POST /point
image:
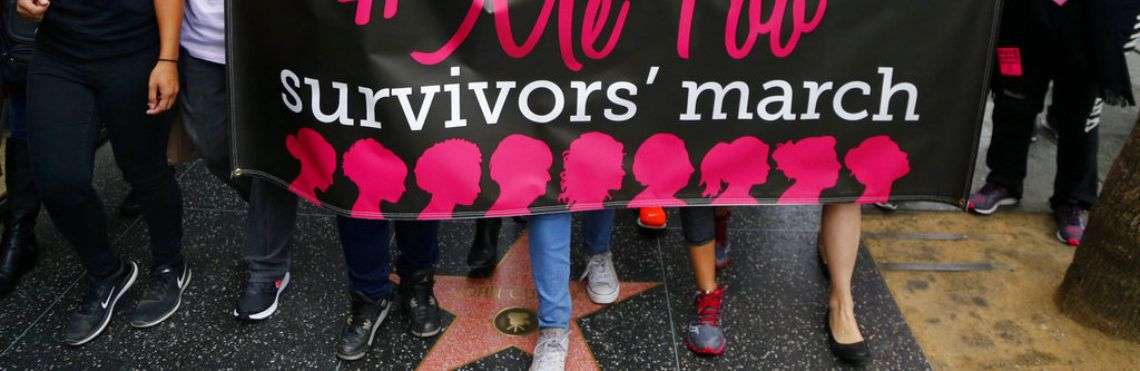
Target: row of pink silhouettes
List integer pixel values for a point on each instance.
(593, 168)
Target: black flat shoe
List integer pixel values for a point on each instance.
(855, 354)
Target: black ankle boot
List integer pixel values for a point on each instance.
(18, 251)
(485, 249)
(417, 298)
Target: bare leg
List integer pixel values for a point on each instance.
(839, 242)
(703, 260)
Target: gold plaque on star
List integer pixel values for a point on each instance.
(516, 321)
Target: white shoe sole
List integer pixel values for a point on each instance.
(1059, 238)
(185, 284)
(652, 228)
(990, 211)
(379, 320)
(272, 307)
(608, 298)
(111, 311)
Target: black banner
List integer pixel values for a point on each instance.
(435, 109)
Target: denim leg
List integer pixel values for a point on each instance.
(550, 265)
(418, 242)
(597, 226)
(365, 244)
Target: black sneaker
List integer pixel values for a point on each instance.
(991, 196)
(95, 311)
(360, 326)
(418, 300)
(259, 300)
(1070, 224)
(163, 298)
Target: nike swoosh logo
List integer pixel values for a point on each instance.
(108, 301)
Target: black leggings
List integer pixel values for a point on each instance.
(69, 101)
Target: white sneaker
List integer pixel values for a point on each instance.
(550, 353)
(601, 280)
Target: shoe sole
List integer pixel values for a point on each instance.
(185, 284)
(111, 311)
(990, 211)
(652, 227)
(372, 336)
(706, 352)
(1066, 242)
(272, 307)
(603, 298)
(427, 334)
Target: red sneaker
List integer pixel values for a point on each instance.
(652, 218)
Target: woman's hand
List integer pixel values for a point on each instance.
(32, 9)
(163, 87)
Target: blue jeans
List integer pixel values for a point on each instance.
(550, 259)
(365, 244)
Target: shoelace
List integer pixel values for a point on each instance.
(552, 343)
(599, 268)
(708, 309)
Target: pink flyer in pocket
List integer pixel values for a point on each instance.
(1009, 61)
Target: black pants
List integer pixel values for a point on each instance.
(1043, 34)
(366, 253)
(68, 103)
(272, 209)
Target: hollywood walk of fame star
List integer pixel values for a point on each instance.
(476, 303)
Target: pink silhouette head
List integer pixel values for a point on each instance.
(740, 165)
(592, 168)
(662, 165)
(379, 175)
(521, 167)
(318, 163)
(451, 171)
(877, 163)
(812, 164)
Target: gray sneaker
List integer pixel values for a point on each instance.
(601, 279)
(550, 353)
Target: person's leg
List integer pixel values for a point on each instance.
(365, 244)
(64, 130)
(1018, 88)
(699, 225)
(704, 334)
(602, 283)
(18, 251)
(419, 251)
(840, 230)
(550, 264)
(63, 133)
(484, 248)
(723, 246)
(139, 144)
(597, 227)
(269, 228)
(204, 101)
(1077, 113)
